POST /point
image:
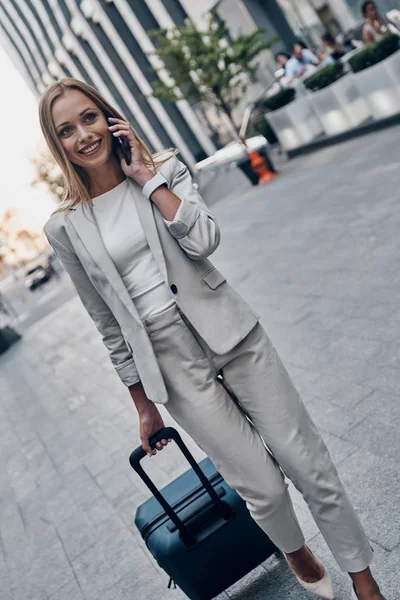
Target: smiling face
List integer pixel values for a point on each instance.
(82, 130)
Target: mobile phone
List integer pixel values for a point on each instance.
(125, 148)
(122, 144)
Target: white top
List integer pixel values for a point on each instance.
(130, 251)
(386, 28)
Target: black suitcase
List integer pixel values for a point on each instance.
(200, 533)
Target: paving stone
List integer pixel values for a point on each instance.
(114, 593)
(331, 418)
(369, 435)
(23, 485)
(70, 591)
(115, 483)
(103, 518)
(148, 586)
(386, 567)
(12, 526)
(382, 407)
(121, 552)
(26, 589)
(82, 487)
(5, 587)
(385, 379)
(93, 573)
(98, 460)
(76, 535)
(342, 392)
(389, 356)
(373, 484)
(272, 582)
(50, 568)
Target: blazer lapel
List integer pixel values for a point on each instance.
(81, 226)
(145, 210)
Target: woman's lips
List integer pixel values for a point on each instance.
(93, 151)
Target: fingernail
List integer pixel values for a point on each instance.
(115, 133)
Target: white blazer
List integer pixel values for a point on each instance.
(180, 248)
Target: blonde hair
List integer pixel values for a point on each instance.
(77, 185)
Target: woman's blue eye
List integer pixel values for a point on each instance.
(88, 117)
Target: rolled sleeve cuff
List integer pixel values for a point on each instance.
(127, 372)
(186, 216)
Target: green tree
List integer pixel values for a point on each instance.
(206, 65)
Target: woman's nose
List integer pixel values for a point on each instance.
(82, 133)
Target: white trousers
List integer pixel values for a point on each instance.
(221, 427)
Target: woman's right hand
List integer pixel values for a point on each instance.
(150, 420)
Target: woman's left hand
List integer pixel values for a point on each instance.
(138, 170)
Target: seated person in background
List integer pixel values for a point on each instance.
(332, 49)
(304, 54)
(376, 26)
(296, 65)
(290, 65)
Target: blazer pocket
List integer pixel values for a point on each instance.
(214, 278)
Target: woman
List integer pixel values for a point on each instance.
(376, 26)
(135, 241)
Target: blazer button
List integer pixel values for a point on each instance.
(174, 289)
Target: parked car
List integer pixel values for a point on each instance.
(36, 277)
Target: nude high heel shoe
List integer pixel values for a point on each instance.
(322, 588)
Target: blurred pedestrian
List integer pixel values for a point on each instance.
(135, 235)
(332, 50)
(376, 25)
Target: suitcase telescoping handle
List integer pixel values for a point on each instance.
(138, 454)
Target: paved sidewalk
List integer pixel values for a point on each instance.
(317, 253)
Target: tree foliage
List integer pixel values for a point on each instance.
(206, 65)
(48, 172)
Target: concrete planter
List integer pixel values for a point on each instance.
(377, 86)
(330, 111)
(351, 100)
(305, 120)
(295, 124)
(283, 126)
(392, 65)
